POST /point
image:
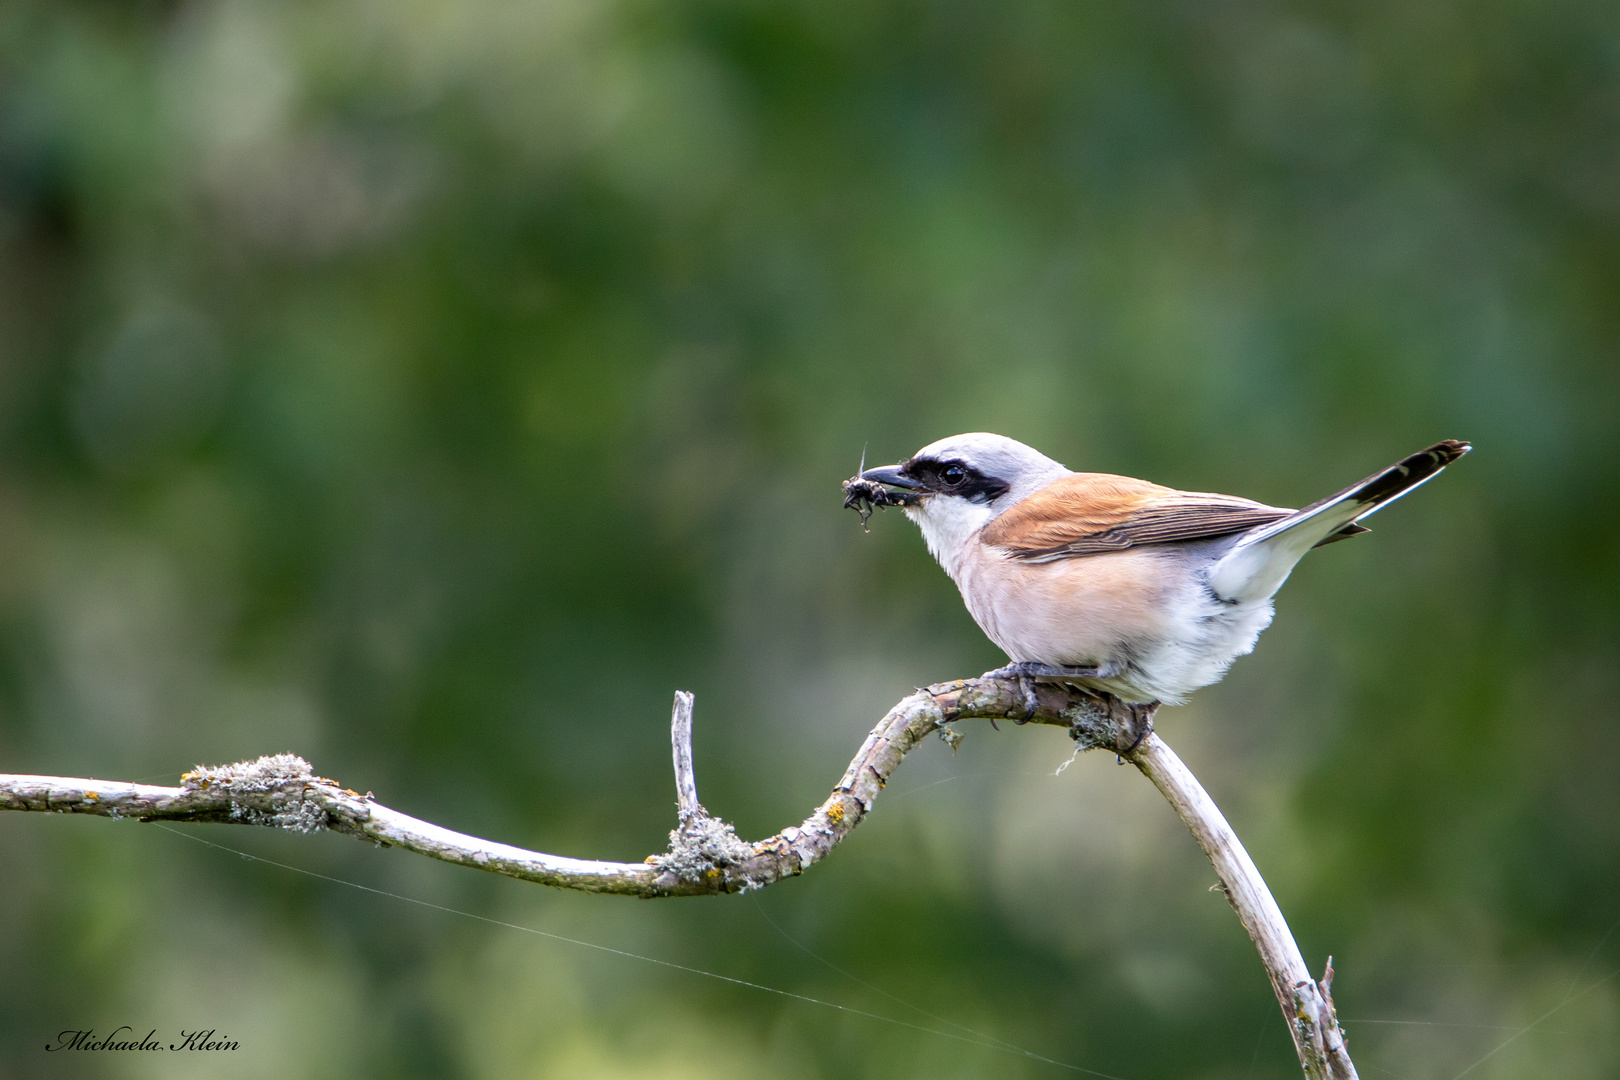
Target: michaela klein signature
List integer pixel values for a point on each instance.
(124, 1038)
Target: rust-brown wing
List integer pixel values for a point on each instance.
(1093, 513)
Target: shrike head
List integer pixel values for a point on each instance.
(954, 487)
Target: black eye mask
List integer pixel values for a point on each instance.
(955, 478)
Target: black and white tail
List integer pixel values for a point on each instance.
(1260, 562)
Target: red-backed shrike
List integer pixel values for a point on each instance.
(1121, 585)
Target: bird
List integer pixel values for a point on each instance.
(1107, 582)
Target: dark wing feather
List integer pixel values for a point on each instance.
(1094, 513)
(1164, 524)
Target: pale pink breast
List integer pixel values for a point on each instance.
(1072, 611)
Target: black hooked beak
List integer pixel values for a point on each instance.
(892, 475)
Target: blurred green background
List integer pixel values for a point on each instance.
(432, 387)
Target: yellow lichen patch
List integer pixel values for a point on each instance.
(835, 813)
(91, 796)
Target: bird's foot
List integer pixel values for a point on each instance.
(1027, 672)
(1026, 691)
(1134, 720)
(1031, 669)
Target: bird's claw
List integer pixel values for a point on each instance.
(1031, 669)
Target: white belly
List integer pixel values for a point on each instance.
(1146, 610)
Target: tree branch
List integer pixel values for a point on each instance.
(1307, 1004)
(707, 857)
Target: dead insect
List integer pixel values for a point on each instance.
(865, 496)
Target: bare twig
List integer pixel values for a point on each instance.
(680, 737)
(707, 857)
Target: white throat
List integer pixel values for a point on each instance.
(948, 524)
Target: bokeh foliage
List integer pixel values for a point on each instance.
(431, 387)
